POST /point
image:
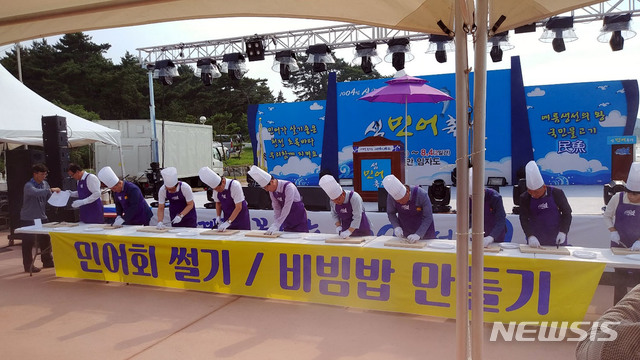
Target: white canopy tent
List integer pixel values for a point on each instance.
(29, 19)
(22, 110)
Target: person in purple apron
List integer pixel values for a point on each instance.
(545, 213)
(182, 209)
(495, 218)
(229, 199)
(88, 194)
(409, 210)
(289, 213)
(131, 208)
(347, 209)
(622, 215)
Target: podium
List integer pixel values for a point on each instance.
(622, 155)
(374, 158)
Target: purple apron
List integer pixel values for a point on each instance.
(545, 219)
(142, 211)
(242, 221)
(92, 213)
(177, 203)
(296, 221)
(410, 217)
(345, 214)
(627, 223)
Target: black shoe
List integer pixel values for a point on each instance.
(33, 269)
(47, 265)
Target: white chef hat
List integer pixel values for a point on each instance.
(534, 178)
(329, 184)
(108, 177)
(169, 176)
(260, 176)
(394, 187)
(209, 177)
(633, 180)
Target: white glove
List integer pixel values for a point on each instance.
(118, 221)
(533, 242)
(345, 234)
(615, 237)
(562, 237)
(218, 220)
(176, 219)
(338, 229)
(77, 203)
(160, 225)
(224, 226)
(397, 232)
(272, 229)
(636, 246)
(488, 240)
(413, 238)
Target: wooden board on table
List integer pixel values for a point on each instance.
(562, 250)
(493, 248)
(153, 229)
(59, 224)
(106, 226)
(216, 232)
(349, 240)
(397, 242)
(623, 251)
(261, 234)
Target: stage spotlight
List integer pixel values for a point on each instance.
(440, 45)
(319, 56)
(398, 52)
(613, 187)
(254, 49)
(366, 56)
(559, 30)
(165, 71)
(499, 44)
(234, 65)
(495, 182)
(440, 196)
(207, 70)
(285, 63)
(616, 29)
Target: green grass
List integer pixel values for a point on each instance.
(246, 158)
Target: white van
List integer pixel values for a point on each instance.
(218, 151)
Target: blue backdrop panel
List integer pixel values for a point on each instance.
(570, 124)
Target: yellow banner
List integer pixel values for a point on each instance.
(417, 282)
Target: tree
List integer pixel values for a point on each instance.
(307, 85)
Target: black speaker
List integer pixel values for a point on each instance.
(257, 198)
(382, 199)
(314, 198)
(56, 150)
(19, 163)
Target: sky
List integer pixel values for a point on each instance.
(585, 59)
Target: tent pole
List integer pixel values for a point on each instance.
(152, 115)
(478, 161)
(406, 144)
(462, 190)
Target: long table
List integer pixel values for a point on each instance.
(303, 267)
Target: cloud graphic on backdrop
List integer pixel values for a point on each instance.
(295, 165)
(500, 168)
(316, 106)
(536, 92)
(559, 163)
(345, 160)
(266, 135)
(614, 119)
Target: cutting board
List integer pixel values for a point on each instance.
(59, 224)
(493, 248)
(153, 229)
(106, 226)
(623, 251)
(261, 234)
(349, 240)
(526, 249)
(397, 242)
(216, 232)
